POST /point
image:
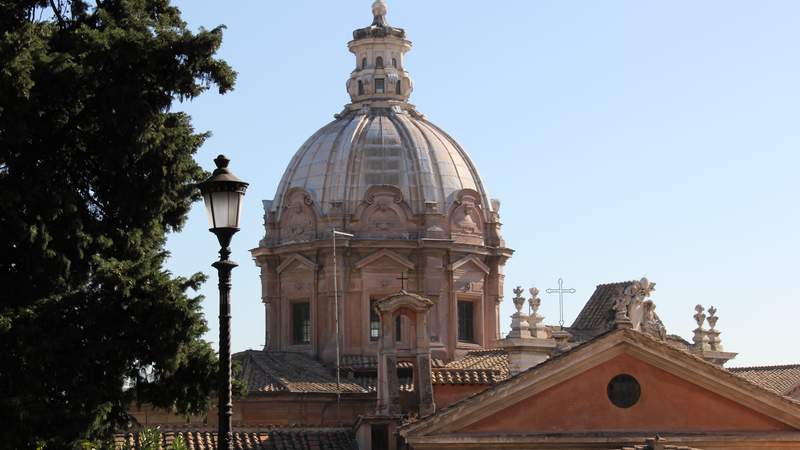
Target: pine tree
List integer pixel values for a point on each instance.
(95, 170)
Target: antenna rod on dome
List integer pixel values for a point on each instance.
(379, 10)
(336, 320)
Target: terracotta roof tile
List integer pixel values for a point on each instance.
(276, 439)
(485, 366)
(781, 379)
(267, 372)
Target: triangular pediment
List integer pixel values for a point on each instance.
(296, 259)
(388, 254)
(473, 260)
(678, 392)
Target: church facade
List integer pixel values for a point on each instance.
(382, 276)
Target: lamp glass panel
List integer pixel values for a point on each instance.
(221, 209)
(240, 197)
(209, 209)
(234, 208)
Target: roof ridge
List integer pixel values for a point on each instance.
(771, 367)
(616, 283)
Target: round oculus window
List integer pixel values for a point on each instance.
(624, 391)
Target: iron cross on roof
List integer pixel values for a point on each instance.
(560, 291)
(403, 278)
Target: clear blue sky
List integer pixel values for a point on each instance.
(625, 138)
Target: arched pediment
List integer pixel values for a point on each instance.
(403, 300)
(466, 218)
(298, 219)
(383, 214)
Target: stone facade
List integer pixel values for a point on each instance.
(417, 210)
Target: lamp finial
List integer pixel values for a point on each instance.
(222, 162)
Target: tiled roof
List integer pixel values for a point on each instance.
(277, 439)
(598, 311)
(781, 379)
(597, 315)
(493, 358)
(485, 366)
(367, 363)
(267, 372)
(466, 376)
(370, 383)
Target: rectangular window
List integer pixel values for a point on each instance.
(374, 322)
(301, 323)
(466, 321)
(398, 328)
(379, 86)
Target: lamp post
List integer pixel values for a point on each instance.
(223, 194)
(336, 319)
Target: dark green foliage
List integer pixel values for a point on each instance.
(94, 171)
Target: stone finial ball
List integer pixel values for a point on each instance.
(379, 8)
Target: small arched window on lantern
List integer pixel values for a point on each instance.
(394, 63)
(379, 62)
(360, 87)
(364, 62)
(398, 88)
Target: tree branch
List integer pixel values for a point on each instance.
(57, 12)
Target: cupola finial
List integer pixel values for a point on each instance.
(379, 10)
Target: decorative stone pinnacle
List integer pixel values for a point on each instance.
(712, 318)
(379, 10)
(518, 300)
(520, 328)
(701, 336)
(713, 334)
(699, 317)
(534, 302)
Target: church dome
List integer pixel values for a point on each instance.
(381, 146)
(380, 139)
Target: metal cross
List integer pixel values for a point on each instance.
(560, 291)
(403, 278)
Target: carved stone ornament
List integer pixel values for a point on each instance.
(714, 342)
(621, 319)
(520, 328)
(383, 213)
(638, 291)
(534, 302)
(699, 317)
(650, 323)
(466, 218)
(297, 220)
(700, 337)
(519, 300)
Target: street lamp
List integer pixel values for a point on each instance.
(223, 194)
